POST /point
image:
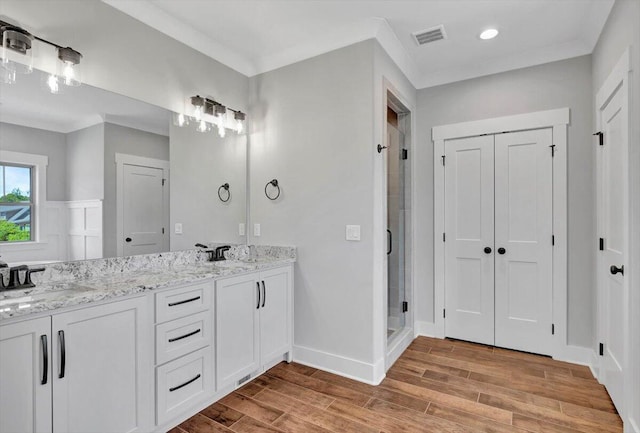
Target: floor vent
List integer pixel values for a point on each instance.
(430, 35)
(244, 379)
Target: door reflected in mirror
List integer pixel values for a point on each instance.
(87, 174)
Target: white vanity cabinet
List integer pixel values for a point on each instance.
(101, 375)
(95, 376)
(25, 376)
(184, 352)
(253, 317)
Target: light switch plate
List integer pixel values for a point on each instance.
(256, 229)
(241, 229)
(178, 229)
(353, 233)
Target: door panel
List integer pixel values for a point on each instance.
(614, 228)
(275, 329)
(143, 212)
(25, 402)
(469, 227)
(523, 227)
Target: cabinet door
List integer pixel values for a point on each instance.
(25, 376)
(275, 320)
(237, 344)
(102, 368)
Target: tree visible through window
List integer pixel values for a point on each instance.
(16, 203)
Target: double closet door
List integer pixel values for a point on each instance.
(498, 240)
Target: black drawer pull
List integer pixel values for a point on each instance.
(45, 360)
(264, 294)
(63, 354)
(171, 340)
(175, 388)
(258, 290)
(173, 304)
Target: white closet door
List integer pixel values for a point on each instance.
(523, 228)
(613, 203)
(469, 271)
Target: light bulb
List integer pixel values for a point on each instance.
(197, 113)
(239, 126)
(221, 130)
(180, 120)
(202, 126)
(68, 74)
(52, 83)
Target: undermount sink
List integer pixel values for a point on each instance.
(242, 262)
(29, 297)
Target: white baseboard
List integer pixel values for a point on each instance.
(631, 426)
(425, 329)
(340, 365)
(398, 345)
(577, 355)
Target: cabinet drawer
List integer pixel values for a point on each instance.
(181, 336)
(183, 301)
(183, 383)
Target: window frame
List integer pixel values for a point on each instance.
(30, 203)
(39, 165)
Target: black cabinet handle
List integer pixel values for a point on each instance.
(487, 250)
(173, 304)
(127, 240)
(501, 251)
(264, 294)
(45, 360)
(171, 340)
(614, 269)
(389, 242)
(63, 354)
(258, 289)
(175, 388)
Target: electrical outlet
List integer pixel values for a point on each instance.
(178, 229)
(256, 229)
(353, 233)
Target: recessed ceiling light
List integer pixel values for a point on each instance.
(489, 34)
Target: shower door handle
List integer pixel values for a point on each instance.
(389, 242)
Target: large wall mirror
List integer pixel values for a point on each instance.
(86, 173)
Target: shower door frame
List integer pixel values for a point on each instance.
(401, 339)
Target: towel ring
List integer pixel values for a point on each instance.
(273, 183)
(226, 188)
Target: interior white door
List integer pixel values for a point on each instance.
(613, 207)
(523, 240)
(143, 210)
(469, 230)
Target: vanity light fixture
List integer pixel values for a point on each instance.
(16, 40)
(198, 103)
(221, 115)
(239, 117)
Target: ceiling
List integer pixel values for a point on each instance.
(255, 36)
(28, 103)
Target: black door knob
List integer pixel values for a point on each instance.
(501, 251)
(128, 239)
(614, 269)
(487, 250)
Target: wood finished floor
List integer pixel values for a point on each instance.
(436, 386)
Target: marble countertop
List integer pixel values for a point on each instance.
(56, 295)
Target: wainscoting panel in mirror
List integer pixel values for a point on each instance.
(99, 180)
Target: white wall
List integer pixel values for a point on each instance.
(40, 142)
(200, 163)
(121, 139)
(85, 164)
(622, 30)
(565, 83)
(312, 130)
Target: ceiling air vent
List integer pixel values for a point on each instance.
(430, 35)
